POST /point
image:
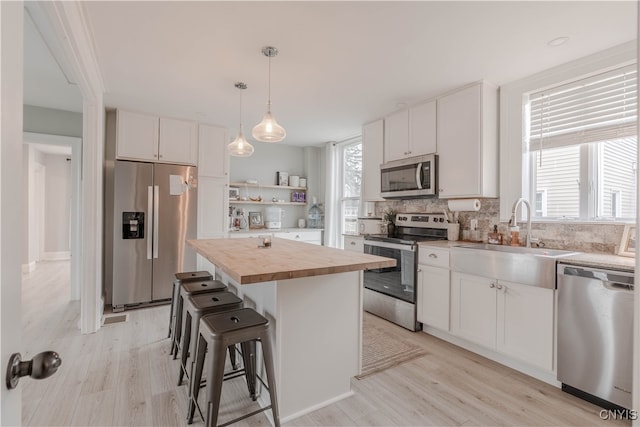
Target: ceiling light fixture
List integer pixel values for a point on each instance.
(240, 147)
(268, 130)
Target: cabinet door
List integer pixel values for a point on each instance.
(422, 129)
(213, 159)
(433, 296)
(178, 142)
(473, 308)
(396, 142)
(525, 323)
(372, 157)
(459, 139)
(353, 243)
(213, 208)
(136, 136)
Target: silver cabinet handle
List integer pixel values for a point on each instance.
(156, 227)
(433, 255)
(498, 287)
(352, 243)
(149, 210)
(492, 285)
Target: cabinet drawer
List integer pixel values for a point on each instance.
(301, 236)
(436, 257)
(353, 243)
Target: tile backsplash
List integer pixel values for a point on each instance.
(583, 237)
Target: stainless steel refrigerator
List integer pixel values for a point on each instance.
(150, 212)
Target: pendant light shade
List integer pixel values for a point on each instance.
(240, 147)
(268, 130)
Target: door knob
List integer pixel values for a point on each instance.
(42, 366)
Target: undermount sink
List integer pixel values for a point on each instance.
(528, 266)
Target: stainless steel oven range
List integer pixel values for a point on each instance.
(390, 293)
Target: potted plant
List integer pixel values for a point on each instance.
(389, 218)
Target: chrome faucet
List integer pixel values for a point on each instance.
(513, 221)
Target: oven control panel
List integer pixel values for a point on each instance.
(424, 220)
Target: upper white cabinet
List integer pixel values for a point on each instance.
(149, 138)
(396, 136)
(422, 129)
(411, 132)
(213, 159)
(372, 157)
(467, 142)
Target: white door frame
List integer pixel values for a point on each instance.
(67, 31)
(76, 199)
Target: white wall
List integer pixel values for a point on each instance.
(57, 203)
(52, 122)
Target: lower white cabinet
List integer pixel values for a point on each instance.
(433, 296)
(314, 237)
(353, 243)
(514, 319)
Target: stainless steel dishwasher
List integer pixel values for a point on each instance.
(595, 334)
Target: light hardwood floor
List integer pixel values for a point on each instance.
(123, 375)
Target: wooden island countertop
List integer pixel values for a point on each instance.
(246, 263)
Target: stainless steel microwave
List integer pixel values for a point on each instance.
(409, 178)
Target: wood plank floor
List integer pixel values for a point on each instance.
(123, 375)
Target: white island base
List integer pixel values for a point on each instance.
(316, 325)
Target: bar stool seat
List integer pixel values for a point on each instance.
(196, 307)
(187, 289)
(219, 331)
(185, 276)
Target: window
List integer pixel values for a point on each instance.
(581, 147)
(351, 171)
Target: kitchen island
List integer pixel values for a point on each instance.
(312, 295)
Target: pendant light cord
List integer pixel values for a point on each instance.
(269, 82)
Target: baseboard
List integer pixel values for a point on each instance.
(315, 407)
(28, 268)
(56, 256)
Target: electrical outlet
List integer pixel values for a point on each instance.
(474, 224)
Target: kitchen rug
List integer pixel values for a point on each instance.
(381, 349)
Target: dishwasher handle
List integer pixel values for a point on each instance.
(614, 280)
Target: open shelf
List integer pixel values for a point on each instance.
(251, 202)
(283, 187)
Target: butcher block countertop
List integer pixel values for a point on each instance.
(245, 262)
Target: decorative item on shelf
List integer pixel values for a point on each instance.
(628, 243)
(282, 178)
(268, 130)
(315, 215)
(255, 220)
(240, 147)
(294, 181)
(388, 219)
(303, 182)
(234, 193)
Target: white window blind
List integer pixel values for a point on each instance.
(601, 107)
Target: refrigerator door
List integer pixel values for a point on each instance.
(174, 223)
(132, 258)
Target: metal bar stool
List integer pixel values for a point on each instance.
(186, 290)
(198, 306)
(187, 276)
(219, 331)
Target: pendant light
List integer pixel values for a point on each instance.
(240, 147)
(268, 130)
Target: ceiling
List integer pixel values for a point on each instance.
(341, 64)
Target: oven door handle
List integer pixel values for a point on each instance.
(411, 248)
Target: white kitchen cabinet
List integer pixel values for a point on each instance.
(178, 141)
(396, 136)
(512, 318)
(353, 243)
(213, 180)
(433, 298)
(213, 158)
(525, 323)
(311, 236)
(372, 158)
(146, 137)
(422, 129)
(474, 308)
(467, 142)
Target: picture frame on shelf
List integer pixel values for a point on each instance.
(255, 220)
(628, 243)
(234, 193)
(282, 178)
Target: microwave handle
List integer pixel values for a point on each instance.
(419, 176)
